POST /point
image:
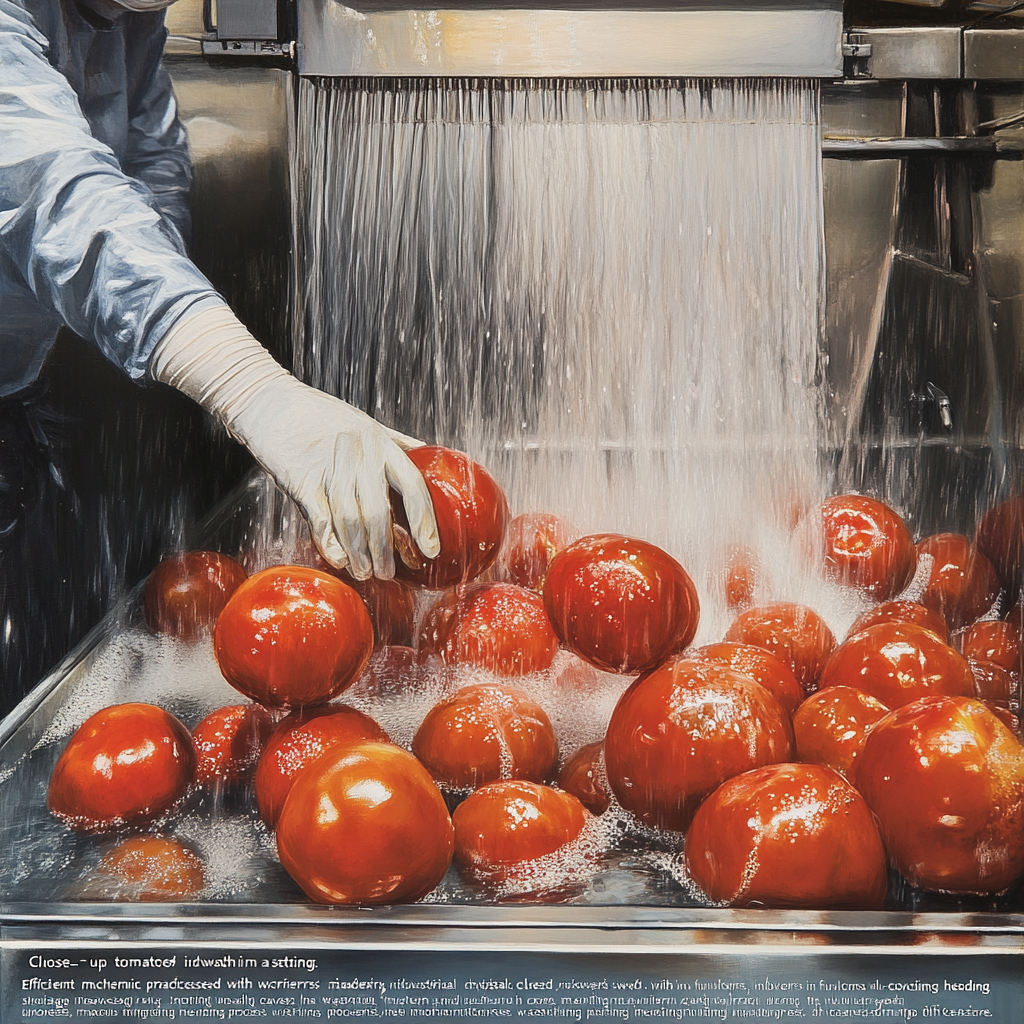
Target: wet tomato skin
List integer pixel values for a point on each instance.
(902, 611)
(621, 604)
(866, 545)
(830, 727)
(483, 733)
(995, 641)
(788, 835)
(126, 764)
(794, 633)
(154, 869)
(681, 730)
(898, 662)
(365, 825)
(472, 516)
(1000, 538)
(583, 776)
(293, 637)
(185, 593)
(963, 583)
(496, 626)
(392, 609)
(506, 823)
(297, 741)
(532, 540)
(228, 743)
(762, 666)
(945, 778)
(740, 575)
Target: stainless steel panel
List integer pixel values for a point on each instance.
(994, 54)
(247, 19)
(901, 53)
(335, 40)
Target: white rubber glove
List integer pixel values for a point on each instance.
(334, 460)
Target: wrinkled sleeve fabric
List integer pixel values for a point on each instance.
(157, 145)
(82, 235)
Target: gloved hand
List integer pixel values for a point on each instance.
(335, 461)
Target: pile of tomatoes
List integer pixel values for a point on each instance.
(794, 771)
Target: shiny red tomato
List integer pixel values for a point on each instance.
(866, 545)
(831, 726)
(583, 775)
(483, 733)
(391, 671)
(623, 605)
(681, 730)
(365, 824)
(472, 516)
(576, 674)
(152, 869)
(788, 835)
(392, 609)
(994, 641)
(185, 593)
(945, 778)
(795, 634)
(1000, 538)
(902, 611)
(506, 823)
(496, 626)
(533, 539)
(228, 743)
(762, 666)
(126, 764)
(300, 739)
(898, 662)
(293, 637)
(963, 582)
(994, 685)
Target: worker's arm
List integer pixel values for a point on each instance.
(90, 244)
(157, 146)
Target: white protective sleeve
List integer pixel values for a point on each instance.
(335, 461)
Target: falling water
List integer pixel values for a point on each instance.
(609, 292)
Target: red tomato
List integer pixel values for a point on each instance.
(762, 666)
(583, 776)
(577, 674)
(153, 869)
(681, 730)
(483, 733)
(472, 515)
(898, 662)
(994, 641)
(505, 823)
(228, 743)
(126, 764)
(533, 539)
(185, 593)
(365, 824)
(788, 835)
(739, 576)
(1000, 538)
(946, 779)
(391, 671)
(902, 611)
(866, 545)
(963, 583)
(831, 725)
(795, 634)
(623, 605)
(994, 685)
(297, 741)
(293, 637)
(497, 626)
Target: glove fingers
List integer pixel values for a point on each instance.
(405, 478)
(404, 441)
(347, 519)
(372, 493)
(318, 514)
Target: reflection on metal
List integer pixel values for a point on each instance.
(900, 53)
(994, 54)
(886, 149)
(795, 41)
